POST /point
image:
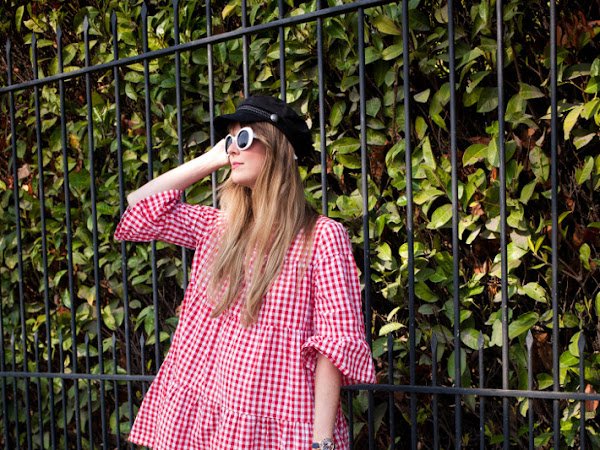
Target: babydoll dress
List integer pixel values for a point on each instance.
(226, 386)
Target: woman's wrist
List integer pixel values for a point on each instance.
(323, 444)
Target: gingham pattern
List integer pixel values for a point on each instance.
(223, 386)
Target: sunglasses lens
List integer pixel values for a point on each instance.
(243, 139)
(228, 142)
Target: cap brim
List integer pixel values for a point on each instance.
(221, 123)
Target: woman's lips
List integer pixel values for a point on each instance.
(236, 164)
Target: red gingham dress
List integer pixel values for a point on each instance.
(223, 386)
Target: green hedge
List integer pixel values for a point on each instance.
(528, 189)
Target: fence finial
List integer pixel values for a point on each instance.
(581, 344)
(529, 340)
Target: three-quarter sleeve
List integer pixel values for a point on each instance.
(164, 217)
(339, 332)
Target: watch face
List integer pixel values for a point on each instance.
(327, 444)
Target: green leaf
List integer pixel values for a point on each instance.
(514, 252)
(348, 82)
(130, 92)
(527, 91)
(425, 293)
(474, 153)
(544, 380)
(527, 191)
(595, 69)
(391, 52)
(571, 120)
(488, 100)
(535, 291)
(593, 86)
(470, 337)
(423, 96)
(345, 145)
(228, 9)
(337, 113)
(371, 55)
(427, 195)
(540, 164)
(19, 17)
(390, 327)
(451, 364)
(568, 360)
(581, 140)
(591, 108)
(350, 161)
(386, 25)
(373, 106)
(522, 324)
(583, 174)
(420, 127)
(584, 255)
(440, 99)
(440, 216)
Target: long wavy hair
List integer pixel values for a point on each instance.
(261, 223)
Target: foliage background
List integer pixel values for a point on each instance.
(527, 93)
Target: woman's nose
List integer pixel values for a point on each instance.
(233, 148)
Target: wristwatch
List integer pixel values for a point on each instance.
(325, 444)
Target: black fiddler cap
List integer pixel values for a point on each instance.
(259, 108)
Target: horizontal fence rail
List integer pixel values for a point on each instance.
(84, 329)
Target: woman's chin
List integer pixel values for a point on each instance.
(242, 181)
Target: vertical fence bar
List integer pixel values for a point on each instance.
(38, 383)
(480, 343)
(143, 361)
(390, 344)
(61, 355)
(322, 133)
(503, 231)
(364, 165)
(90, 131)
(582, 410)
(434, 369)
(126, 319)
(211, 97)
(148, 121)
(282, 76)
(409, 221)
(89, 391)
(350, 418)
(554, 209)
(67, 191)
(2, 369)
(15, 391)
(13, 141)
(184, 258)
(455, 220)
(245, 51)
(116, 392)
(529, 344)
(41, 194)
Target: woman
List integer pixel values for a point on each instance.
(271, 322)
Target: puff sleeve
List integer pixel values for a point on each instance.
(164, 217)
(338, 327)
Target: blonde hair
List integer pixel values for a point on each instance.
(261, 224)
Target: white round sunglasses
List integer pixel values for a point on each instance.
(243, 139)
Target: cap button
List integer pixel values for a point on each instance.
(274, 117)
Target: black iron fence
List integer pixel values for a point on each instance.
(74, 370)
